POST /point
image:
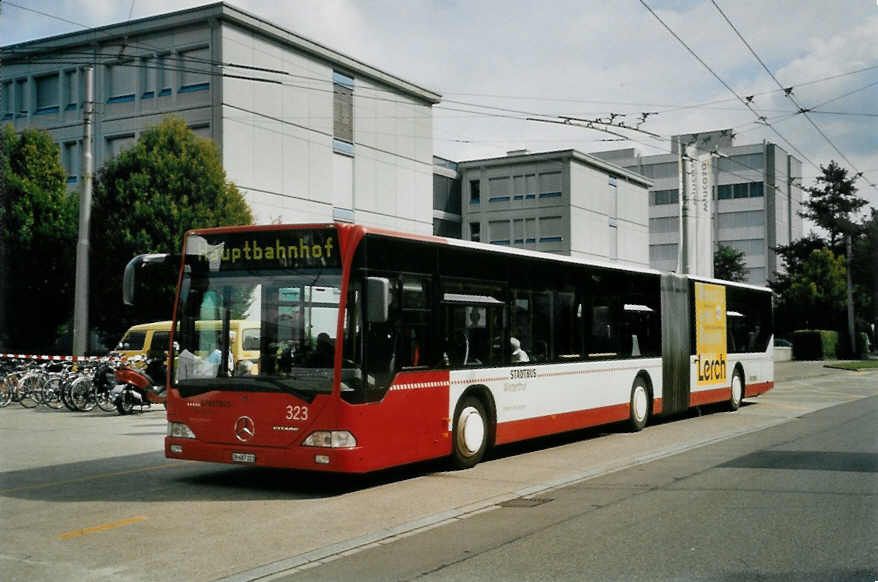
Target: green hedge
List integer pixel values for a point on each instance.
(818, 344)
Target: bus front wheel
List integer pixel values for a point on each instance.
(639, 406)
(470, 433)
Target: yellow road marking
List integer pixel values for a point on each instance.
(97, 528)
(93, 477)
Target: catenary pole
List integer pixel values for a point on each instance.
(80, 305)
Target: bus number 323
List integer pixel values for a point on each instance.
(297, 412)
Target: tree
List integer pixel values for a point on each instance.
(729, 264)
(145, 199)
(814, 296)
(38, 221)
(832, 202)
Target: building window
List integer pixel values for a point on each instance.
(70, 160)
(343, 109)
(148, 77)
(121, 77)
(740, 190)
(116, 144)
(750, 247)
(550, 185)
(550, 229)
(664, 170)
(20, 101)
(499, 232)
(756, 189)
(164, 76)
(475, 231)
(743, 190)
(662, 253)
(742, 219)
(724, 192)
(664, 225)
(70, 94)
(660, 197)
(499, 189)
(195, 70)
(6, 100)
(475, 191)
(342, 147)
(47, 94)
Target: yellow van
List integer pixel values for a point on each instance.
(140, 339)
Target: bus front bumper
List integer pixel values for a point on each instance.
(349, 460)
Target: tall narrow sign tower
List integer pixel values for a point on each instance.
(695, 256)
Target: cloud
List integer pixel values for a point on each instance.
(587, 58)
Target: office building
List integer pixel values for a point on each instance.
(756, 199)
(308, 134)
(564, 202)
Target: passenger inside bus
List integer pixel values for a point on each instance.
(518, 354)
(323, 354)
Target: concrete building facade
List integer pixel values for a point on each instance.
(307, 133)
(756, 199)
(562, 202)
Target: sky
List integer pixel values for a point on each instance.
(496, 63)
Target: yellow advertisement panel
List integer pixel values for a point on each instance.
(710, 334)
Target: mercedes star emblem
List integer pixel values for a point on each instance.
(244, 428)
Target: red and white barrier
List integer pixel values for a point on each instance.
(60, 358)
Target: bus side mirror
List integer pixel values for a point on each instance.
(378, 292)
(129, 277)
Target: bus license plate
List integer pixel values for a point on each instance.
(244, 457)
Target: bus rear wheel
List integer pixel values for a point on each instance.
(639, 406)
(737, 392)
(470, 433)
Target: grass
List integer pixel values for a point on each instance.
(855, 366)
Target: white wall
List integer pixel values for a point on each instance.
(277, 143)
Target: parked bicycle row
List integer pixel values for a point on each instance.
(108, 384)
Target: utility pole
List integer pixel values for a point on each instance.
(851, 330)
(80, 306)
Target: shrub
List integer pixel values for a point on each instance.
(818, 344)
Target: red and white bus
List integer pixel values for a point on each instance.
(379, 348)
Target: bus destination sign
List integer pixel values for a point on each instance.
(258, 250)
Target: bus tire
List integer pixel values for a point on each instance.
(737, 390)
(470, 433)
(638, 413)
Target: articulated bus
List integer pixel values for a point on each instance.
(379, 349)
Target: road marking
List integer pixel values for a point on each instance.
(93, 477)
(103, 527)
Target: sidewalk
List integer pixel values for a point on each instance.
(798, 369)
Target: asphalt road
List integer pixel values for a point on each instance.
(798, 501)
(90, 497)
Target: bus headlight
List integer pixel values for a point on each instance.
(180, 431)
(332, 439)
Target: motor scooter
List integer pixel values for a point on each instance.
(140, 386)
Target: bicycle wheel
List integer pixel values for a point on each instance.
(65, 397)
(7, 387)
(82, 394)
(52, 393)
(30, 390)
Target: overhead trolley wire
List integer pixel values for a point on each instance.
(746, 102)
(788, 91)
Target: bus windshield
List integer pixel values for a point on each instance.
(259, 327)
